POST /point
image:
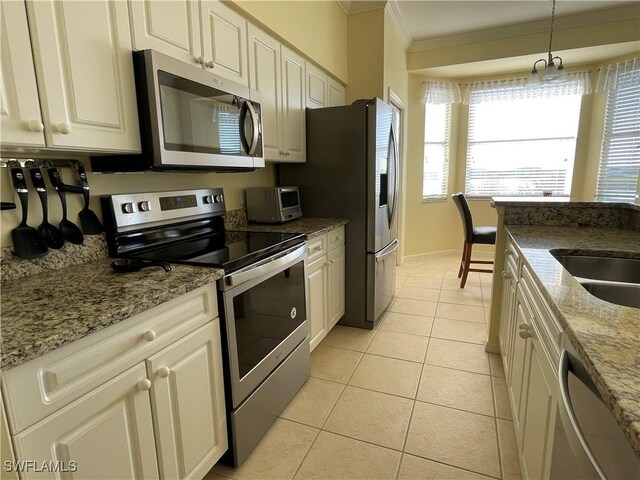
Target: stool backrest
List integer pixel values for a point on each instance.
(465, 215)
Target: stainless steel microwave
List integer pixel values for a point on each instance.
(190, 120)
(273, 204)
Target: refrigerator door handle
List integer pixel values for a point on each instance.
(386, 251)
(396, 175)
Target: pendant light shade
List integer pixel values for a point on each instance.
(551, 69)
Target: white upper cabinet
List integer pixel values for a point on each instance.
(293, 106)
(19, 107)
(337, 94)
(171, 27)
(265, 77)
(224, 34)
(83, 64)
(317, 87)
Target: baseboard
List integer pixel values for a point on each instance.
(432, 254)
(492, 347)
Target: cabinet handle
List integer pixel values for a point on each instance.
(523, 331)
(149, 335)
(508, 252)
(506, 275)
(144, 385)
(287, 153)
(35, 126)
(163, 372)
(210, 64)
(331, 262)
(63, 128)
(200, 60)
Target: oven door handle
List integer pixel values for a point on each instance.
(266, 266)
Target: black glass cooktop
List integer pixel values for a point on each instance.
(231, 250)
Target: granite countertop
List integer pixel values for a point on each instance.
(563, 201)
(45, 311)
(311, 227)
(605, 335)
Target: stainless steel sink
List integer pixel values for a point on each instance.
(621, 294)
(602, 268)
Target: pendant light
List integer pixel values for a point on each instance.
(553, 72)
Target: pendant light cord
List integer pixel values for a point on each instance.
(553, 16)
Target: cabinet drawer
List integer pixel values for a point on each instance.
(335, 238)
(316, 247)
(511, 256)
(41, 386)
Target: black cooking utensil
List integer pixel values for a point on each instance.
(50, 234)
(27, 243)
(7, 206)
(88, 219)
(125, 265)
(70, 231)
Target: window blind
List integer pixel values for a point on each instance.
(620, 153)
(437, 127)
(518, 145)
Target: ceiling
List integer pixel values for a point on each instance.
(436, 18)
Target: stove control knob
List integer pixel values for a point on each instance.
(127, 207)
(144, 206)
(219, 198)
(209, 199)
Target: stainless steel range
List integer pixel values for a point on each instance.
(262, 297)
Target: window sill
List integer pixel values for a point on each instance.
(434, 199)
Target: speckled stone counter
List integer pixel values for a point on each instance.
(46, 311)
(606, 335)
(311, 227)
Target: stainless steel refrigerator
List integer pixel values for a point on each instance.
(352, 171)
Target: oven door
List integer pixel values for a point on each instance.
(265, 312)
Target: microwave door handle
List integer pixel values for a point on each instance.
(241, 121)
(255, 128)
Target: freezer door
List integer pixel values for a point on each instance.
(383, 180)
(381, 276)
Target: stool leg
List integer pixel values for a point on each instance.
(464, 252)
(467, 264)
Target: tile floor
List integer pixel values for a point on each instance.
(416, 398)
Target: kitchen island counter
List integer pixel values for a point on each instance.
(311, 227)
(605, 335)
(45, 311)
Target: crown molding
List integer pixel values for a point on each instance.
(593, 17)
(345, 5)
(353, 7)
(401, 27)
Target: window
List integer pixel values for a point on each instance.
(620, 154)
(437, 121)
(520, 142)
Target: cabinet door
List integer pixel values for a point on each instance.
(507, 318)
(108, 433)
(19, 106)
(83, 64)
(336, 285)
(171, 27)
(337, 94)
(188, 402)
(516, 374)
(318, 300)
(293, 105)
(224, 36)
(264, 76)
(317, 87)
(539, 410)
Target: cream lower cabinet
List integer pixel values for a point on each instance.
(325, 283)
(157, 411)
(530, 340)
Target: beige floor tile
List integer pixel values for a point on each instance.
(404, 323)
(458, 330)
(452, 274)
(425, 282)
(417, 293)
(313, 403)
(458, 355)
(467, 313)
(508, 451)
(400, 281)
(349, 338)
(211, 475)
(405, 271)
(416, 468)
(456, 389)
(371, 417)
(461, 296)
(414, 307)
(454, 284)
(334, 364)
(503, 408)
(453, 437)
(497, 369)
(277, 456)
(334, 457)
(388, 375)
(399, 345)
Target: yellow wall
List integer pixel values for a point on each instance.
(365, 46)
(395, 61)
(316, 28)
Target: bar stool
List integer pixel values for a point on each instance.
(480, 235)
